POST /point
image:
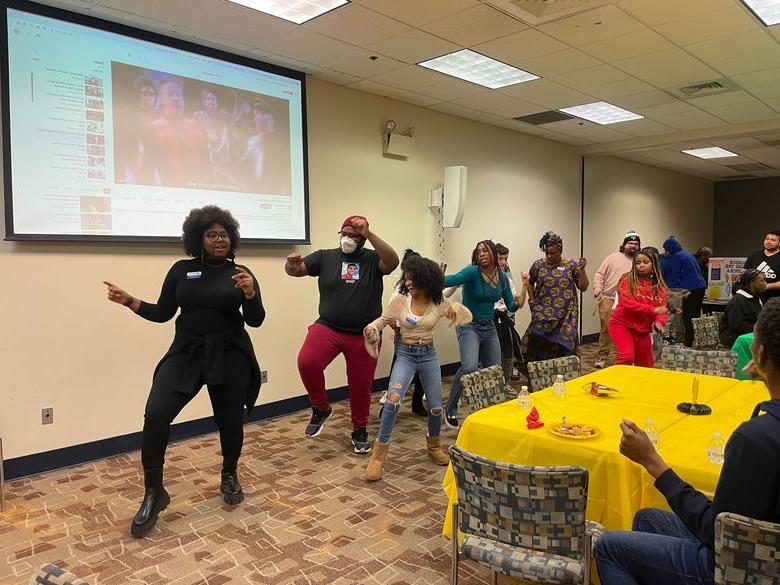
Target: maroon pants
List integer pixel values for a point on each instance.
(631, 348)
(320, 348)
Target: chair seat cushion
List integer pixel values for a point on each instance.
(523, 563)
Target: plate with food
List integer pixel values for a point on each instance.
(574, 431)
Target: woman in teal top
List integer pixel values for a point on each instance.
(483, 285)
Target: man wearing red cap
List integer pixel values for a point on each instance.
(350, 284)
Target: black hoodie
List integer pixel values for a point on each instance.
(739, 318)
(749, 482)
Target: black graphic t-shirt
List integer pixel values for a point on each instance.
(350, 288)
(770, 266)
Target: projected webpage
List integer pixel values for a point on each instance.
(115, 136)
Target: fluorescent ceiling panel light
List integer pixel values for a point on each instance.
(297, 11)
(601, 113)
(767, 11)
(479, 69)
(712, 152)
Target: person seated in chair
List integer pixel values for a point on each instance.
(743, 308)
(678, 547)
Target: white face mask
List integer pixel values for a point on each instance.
(347, 244)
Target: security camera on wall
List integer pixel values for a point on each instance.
(454, 203)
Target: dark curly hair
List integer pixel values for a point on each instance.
(768, 329)
(199, 220)
(426, 275)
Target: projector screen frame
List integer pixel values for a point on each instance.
(143, 35)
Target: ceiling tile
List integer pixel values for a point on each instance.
(644, 99)
(475, 25)
(639, 42)
(594, 25)
(758, 78)
(517, 108)
(773, 103)
(521, 127)
(485, 99)
(417, 12)
(413, 46)
(143, 22)
(337, 77)
(674, 107)
(741, 53)
(559, 62)
(744, 112)
(175, 12)
(592, 77)
(547, 93)
(482, 116)
(357, 25)
(518, 48)
(567, 139)
(670, 68)
(450, 108)
(739, 144)
(768, 155)
(415, 98)
(358, 62)
(410, 77)
(626, 87)
(450, 89)
(690, 120)
(768, 92)
(374, 87)
(305, 45)
(710, 25)
(587, 130)
(643, 127)
(239, 26)
(721, 99)
(661, 11)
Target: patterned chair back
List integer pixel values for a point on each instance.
(540, 508)
(705, 332)
(483, 388)
(711, 363)
(542, 374)
(51, 574)
(746, 550)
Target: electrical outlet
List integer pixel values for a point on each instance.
(47, 416)
(263, 376)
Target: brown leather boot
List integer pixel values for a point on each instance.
(435, 451)
(378, 454)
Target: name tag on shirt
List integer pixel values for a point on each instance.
(194, 275)
(412, 320)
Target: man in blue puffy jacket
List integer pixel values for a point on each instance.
(682, 273)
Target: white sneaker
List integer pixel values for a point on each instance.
(383, 398)
(599, 363)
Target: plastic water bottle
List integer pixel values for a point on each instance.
(652, 433)
(524, 399)
(559, 387)
(716, 449)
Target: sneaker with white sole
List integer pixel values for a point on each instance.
(599, 363)
(318, 418)
(451, 421)
(360, 441)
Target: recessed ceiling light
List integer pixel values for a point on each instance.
(767, 11)
(601, 113)
(711, 152)
(479, 69)
(297, 11)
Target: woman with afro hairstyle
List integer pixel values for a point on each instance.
(216, 298)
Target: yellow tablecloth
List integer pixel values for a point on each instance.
(618, 487)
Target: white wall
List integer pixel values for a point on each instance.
(64, 345)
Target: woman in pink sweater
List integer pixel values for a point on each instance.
(641, 308)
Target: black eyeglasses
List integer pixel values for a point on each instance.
(214, 236)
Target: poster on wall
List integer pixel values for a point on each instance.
(724, 273)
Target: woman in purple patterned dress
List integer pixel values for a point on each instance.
(553, 284)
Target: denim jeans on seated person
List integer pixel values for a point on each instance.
(479, 345)
(411, 359)
(659, 549)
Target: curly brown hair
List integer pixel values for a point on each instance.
(199, 220)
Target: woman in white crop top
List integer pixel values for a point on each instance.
(415, 312)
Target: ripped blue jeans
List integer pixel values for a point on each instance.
(411, 359)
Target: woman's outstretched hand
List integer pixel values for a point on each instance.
(117, 295)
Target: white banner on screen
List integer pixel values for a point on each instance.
(115, 136)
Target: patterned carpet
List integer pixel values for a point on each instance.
(308, 518)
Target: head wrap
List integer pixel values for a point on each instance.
(550, 239)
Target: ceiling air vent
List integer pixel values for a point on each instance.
(713, 87)
(750, 167)
(544, 117)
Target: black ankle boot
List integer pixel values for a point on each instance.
(231, 489)
(156, 499)
(417, 404)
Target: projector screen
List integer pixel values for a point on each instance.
(112, 133)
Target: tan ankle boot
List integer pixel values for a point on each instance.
(378, 454)
(435, 451)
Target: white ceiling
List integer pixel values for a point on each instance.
(629, 52)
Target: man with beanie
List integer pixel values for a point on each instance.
(350, 285)
(605, 288)
(682, 273)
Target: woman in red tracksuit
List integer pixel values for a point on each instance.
(641, 307)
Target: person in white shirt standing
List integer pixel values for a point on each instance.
(605, 288)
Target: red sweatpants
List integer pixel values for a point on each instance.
(320, 348)
(632, 348)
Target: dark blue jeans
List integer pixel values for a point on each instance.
(659, 550)
(478, 343)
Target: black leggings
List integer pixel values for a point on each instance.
(691, 307)
(227, 401)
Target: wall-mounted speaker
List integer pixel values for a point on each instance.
(454, 195)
